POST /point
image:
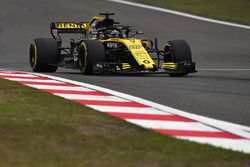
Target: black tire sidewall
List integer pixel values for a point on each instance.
(47, 55)
(90, 52)
(180, 51)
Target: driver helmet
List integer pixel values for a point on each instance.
(115, 34)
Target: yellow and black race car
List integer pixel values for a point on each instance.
(105, 46)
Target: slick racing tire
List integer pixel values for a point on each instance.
(44, 55)
(90, 52)
(178, 51)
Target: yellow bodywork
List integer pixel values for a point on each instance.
(125, 66)
(169, 65)
(137, 50)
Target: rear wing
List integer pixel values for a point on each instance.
(71, 27)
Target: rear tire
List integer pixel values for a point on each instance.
(90, 52)
(44, 55)
(178, 51)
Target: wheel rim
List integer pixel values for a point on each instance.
(33, 55)
(83, 59)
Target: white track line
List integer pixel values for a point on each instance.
(33, 80)
(17, 75)
(180, 13)
(90, 97)
(153, 124)
(225, 69)
(241, 144)
(59, 87)
(135, 110)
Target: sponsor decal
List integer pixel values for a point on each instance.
(112, 45)
(142, 55)
(68, 25)
(130, 47)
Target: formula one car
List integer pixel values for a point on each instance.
(106, 46)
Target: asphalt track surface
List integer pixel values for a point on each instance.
(221, 88)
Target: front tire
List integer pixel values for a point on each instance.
(90, 52)
(178, 51)
(44, 55)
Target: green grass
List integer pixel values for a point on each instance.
(38, 129)
(229, 10)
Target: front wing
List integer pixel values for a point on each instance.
(107, 67)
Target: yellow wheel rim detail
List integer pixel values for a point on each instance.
(84, 66)
(34, 56)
